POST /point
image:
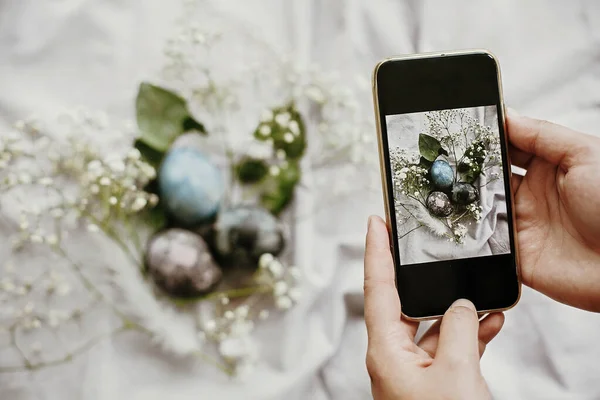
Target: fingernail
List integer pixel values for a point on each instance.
(463, 303)
(512, 112)
(369, 222)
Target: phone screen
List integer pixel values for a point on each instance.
(449, 195)
(447, 180)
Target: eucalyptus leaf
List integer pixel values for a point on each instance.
(160, 116)
(425, 163)
(429, 147)
(190, 124)
(149, 154)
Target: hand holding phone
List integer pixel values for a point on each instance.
(557, 204)
(445, 361)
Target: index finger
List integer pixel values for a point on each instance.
(382, 303)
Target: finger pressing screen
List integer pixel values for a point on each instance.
(459, 331)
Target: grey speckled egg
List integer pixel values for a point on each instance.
(242, 234)
(464, 193)
(439, 204)
(180, 263)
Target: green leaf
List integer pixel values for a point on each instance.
(250, 170)
(430, 147)
(425, 163)
(155, 217)
(160, 116)
(190, 124)
(472, 175)
(149, 154)
(278, 191)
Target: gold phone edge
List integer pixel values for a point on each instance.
(382, 165)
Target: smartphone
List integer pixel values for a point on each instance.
(446, 181)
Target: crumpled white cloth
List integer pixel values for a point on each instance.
(64, 53)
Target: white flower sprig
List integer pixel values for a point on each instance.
(80, 188)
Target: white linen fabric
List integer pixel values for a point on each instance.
(64, 53)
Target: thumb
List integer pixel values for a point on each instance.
(554, 143)
(459, 343)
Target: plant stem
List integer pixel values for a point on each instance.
(241, 292)
(29, 366)
(215, 363)
(114, 237)
(412, 230)
(87, 283)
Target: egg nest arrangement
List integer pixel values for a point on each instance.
(200, 234)
(439, 188)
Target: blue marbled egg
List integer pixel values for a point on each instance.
(442, 174)
(191, 187)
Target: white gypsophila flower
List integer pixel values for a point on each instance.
(280, 288)
(264, 130)
(315, 94)
(280, 154)
(238, 349)
(274, 170)
(288, 137)
(134, 154)
(139, 204)
(295, 294)
(259, 150)
(242, 311)
(283, 302)
(265, 260)
(93, 228)
(229, 314)
(283, 119)
(276, 268)
(294, 127)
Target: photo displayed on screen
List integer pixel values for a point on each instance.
(448, 184)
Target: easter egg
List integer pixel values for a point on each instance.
(438, 203)
(242, 234)
(442, 175)
(464, 193)
(190, 186)
(179, 262)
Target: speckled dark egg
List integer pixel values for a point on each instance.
(180, 263)
(242, 234)
(438, 203)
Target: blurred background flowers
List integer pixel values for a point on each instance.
(117, 284)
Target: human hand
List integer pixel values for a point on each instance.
(445, 362)
(557, 205)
